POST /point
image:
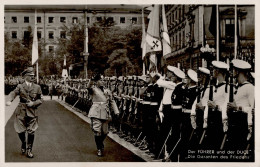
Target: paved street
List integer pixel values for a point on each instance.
(63, 137)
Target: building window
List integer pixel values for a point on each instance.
(26, 35)
(230, 28)
(74, 20)
(110, 20)
(63, 34)
(122, 20)
(63, 19)
(39, 34)
(14, 34)
(87, 19)
(39, 19)
(134, 20)
(51, 49)
(172, 18)
(51, 35)
(51, 19)
(14, 19)
(26, 19)
(99, 19)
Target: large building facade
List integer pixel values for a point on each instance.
(51, 19)
(189, 29)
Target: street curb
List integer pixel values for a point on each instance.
(114, 137)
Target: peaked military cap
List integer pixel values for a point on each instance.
(143, 77)
(204, 70)
(220, 65)
(28, 71)
(179, 73)
(241, 64)
(193, 75)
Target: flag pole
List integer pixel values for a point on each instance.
(35, 31)
(143, 44)
(217, 41)
(235, 47)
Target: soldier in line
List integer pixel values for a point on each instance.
(145, 113)
(118, 99)
(215, 110)
(200, 106)
(26, 117)
(137, 122)
(175, 115)
(188, 108)
(240, 111)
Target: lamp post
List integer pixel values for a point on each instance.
(207, 54)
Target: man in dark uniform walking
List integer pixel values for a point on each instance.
(26, 117)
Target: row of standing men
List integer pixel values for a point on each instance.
(169, 115)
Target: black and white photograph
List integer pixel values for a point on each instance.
(165, 83)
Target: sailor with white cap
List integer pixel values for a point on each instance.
(188, 108)
(241, 110)
(216, 120)
(172, 117)
(204, 77)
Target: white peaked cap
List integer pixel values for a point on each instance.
(241, 64)
(204, 70)
(176, 71)
(193, 75)
(220, 64)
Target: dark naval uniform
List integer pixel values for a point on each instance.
(176, 115)
(189, 105)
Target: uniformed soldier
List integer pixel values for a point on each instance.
(215, 110)
(200, 106)
(240, 116)
(188, 108)
(175, 115)
(118, 99)
(99, 112)
(154, 118)
(145, 111)
(26, 116)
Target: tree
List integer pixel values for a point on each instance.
(119, 63)
(17, 56)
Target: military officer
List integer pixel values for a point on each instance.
(240, 111)
(26, 116)
(99, 112)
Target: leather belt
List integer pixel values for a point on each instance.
(176, 107)
(186, 110)
(99, 102)
(154, 103)
(146, 102)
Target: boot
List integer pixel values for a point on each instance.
(30, 145)
(103, 137)
(23, 140)
(98, 140)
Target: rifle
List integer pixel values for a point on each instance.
(231, 97)
(210, 96)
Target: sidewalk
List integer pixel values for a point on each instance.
(9, 110)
